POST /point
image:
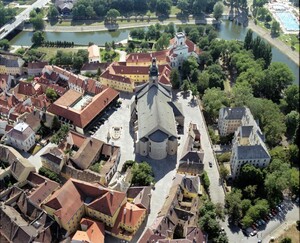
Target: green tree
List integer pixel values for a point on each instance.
(205, 181)
(55, 124)
(224, 172)
(246, 204)
(186, 86)
(38, 22)
(291, 98)
(142, 174)
(278, 76)
(51, 94)
(218, 10)
(203, 82)
(268, 18)
(292, 121)
(163, 42)
(213, 100)
(163, 7)
(233, 205)
(248, 40)
(275, 28)
(53, 12)
(112, 15)
(286, 240)
(183, 5)
(38, 38)
(4, 44)
(241, 93)
(175, 78)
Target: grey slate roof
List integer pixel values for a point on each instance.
(246, 131)
(158, 136)
(154, 112)
(235, 113)
(252, 152)
(8, 62)
(177, 108)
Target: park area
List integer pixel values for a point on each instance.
(292, 233)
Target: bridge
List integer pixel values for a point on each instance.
(20, 18)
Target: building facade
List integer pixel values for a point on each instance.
(248, 145)
(21, 137)
(11, 65)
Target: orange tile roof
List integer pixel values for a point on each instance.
(83, 117)
(94, 232)
(130, 215)
(103, 200)
(117, 78)
(146, 57)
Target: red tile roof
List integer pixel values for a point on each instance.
(130, 215)
(117, 78)
(37, 65)
(94, 232)
(82, 117)
(146, 57)
(103, 200)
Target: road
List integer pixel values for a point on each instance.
(102, 27)
(273, 229)
(21, 17)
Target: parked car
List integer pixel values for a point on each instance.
(210, 164)
(271, 215)
(253, 227)
(263, 222)
(259, 223)
(253, 233)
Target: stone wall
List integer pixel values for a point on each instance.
(69, 171)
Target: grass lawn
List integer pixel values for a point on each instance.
(36, 149)
(105, 55)
(51, 51)
(292, 233)
(175, 10)
(227, 87)
(288, 39)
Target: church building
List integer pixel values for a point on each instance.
(155, 118)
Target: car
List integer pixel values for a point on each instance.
(259, 223)
(266, 219)
(253, 227)
(279, 208)
(259, 241)
(263, 222)
(245, 232)
(210, 164)
(270, 215)
(253, 233)
(273, 213)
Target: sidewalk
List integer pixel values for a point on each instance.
(293, 55)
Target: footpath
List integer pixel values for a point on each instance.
(293, 55)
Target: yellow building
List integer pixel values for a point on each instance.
(11, 65)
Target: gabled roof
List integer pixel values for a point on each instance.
(20, 132)
(55, 155)
(154, 112)
(252, 152)
(234, 113)
(37, 65)
(21, 167)
(94, 232)
(130, 215)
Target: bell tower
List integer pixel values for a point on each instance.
(153, 72)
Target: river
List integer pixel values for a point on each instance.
(228, 31)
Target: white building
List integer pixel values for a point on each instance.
(248, 146)
(21, 137)
(230, 119)
(180, 49)
(94, 54)
(154, 118)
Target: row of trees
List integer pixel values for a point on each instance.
(197, 7)
(6, 14)
(63, 44)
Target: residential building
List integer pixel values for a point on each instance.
(230, 119)
(21, 136)
(179, 212)
(96, 202)
(65, 6)
(180, 49)
(121, 76)
(93, 68)
(93, 150)
(11, 64)
(248, 144)
(20, 168)
(35, 68)
(54, 159)
(140, 196)
(91, 231)
(191, 162)
(94, 54)
(22, 221)
(153, 119)
(6, 81)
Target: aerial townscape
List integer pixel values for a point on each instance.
(149, 121)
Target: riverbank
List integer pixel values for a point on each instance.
(102, 27)
(287, 50)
